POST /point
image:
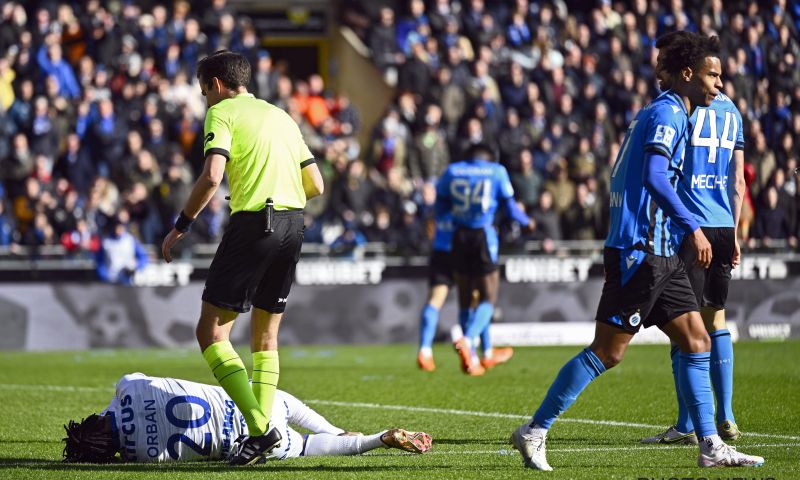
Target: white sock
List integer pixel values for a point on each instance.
(304, 416)
(536, 429)
(709, 443)
(327, 444)
(426, 351)
(488, 353)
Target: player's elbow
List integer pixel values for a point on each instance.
(212, 179)
(650, 184)
(741, 186)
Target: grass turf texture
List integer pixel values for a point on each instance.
(41, 391)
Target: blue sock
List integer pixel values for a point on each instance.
(486, 338)
(696, 389)
(464, 317)
(722, 373)
(574, 376)
(427, 328)
(684, 423)
(479, 321)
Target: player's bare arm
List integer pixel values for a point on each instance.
(737, 197)
(702, 246)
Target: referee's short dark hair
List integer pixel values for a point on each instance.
(679, 50)
(231, 68)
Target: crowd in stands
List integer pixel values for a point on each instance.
(101, 118)
(553, 85)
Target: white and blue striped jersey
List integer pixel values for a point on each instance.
(167, 420)
(637, 222)
(716, 133)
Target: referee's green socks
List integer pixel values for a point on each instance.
(229, 371)
(266, 370)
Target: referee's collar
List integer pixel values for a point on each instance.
(244, 94)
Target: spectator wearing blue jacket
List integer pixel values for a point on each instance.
(52, 63)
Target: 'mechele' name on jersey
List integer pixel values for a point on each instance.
(716, 131)
(636, 220)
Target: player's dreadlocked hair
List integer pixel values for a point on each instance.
(88, 441)
(678, 50)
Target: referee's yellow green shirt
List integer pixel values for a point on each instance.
(265, 152)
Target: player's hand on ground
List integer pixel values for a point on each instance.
(737, 253)
(169, 241)
(702, 247)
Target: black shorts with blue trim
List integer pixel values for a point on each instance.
(710, 284)
(440, 269)
(253, 268)
(657, 292)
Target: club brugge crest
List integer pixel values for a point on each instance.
(635, 319)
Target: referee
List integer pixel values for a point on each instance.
(271, 174)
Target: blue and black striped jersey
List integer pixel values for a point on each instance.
(636, 220)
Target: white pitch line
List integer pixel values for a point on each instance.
(405, 408)
(474, 413)
(666, 448)
(54, 388)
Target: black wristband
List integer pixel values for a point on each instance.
(183, 223)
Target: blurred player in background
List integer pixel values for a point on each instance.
(271, 173)
(646, 282)
(471, 191)
(712, 187)
(440, 280)
(152, 419)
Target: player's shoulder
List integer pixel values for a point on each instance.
(129, 379)
(666, 107)
(455, 167)
(725, 103)
(722, 99)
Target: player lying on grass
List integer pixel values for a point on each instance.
(152, 419)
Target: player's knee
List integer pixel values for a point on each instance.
(610, 358)
(203, 338)
(699, 342)
(713, 319)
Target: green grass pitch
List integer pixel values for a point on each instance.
(368, 388)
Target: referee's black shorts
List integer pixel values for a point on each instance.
(252, 268)
(710, 284)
